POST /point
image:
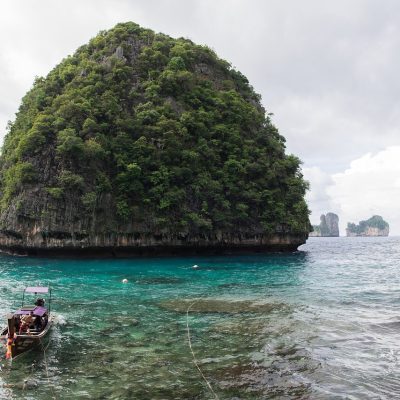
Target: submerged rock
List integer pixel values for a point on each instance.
(160, 280)
(221, 306)
(240, 327)
(26, 384)
(119, 326)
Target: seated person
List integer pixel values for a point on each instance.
(45, 320)
(39, 302)
(40, 322)
(26, 321)
(17, 323)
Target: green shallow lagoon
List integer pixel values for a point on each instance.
(319, 323)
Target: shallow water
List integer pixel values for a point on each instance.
(321, 323)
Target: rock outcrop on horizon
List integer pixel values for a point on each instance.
(141, 143)
(375, 226)
(328, 227)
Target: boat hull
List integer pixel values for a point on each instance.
(23, 343)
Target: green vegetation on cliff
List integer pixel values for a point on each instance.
(157, 132)
(374, 222)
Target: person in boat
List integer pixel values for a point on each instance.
(40, 321)
(17, 323)
(26, 321)
(39, 302)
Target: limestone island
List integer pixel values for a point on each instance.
(328, 227)
(139, 143)
(375, 226)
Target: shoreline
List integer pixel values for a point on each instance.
(145, 251)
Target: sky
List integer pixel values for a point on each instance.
(328, 71)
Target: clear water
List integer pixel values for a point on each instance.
(322, 323)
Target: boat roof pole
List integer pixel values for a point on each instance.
(23, 297)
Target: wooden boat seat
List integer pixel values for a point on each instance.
(28, 308)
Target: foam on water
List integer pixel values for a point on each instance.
(320, 323)
(59, 319)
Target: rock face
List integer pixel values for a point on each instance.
(375, 226)
(140, 143)
(328, 227)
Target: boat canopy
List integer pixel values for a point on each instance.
(37, 289)
(38, 311)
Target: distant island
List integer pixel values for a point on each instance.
(328, 227)
(375, 226)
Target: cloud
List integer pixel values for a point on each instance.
(327, 70)
(318, 199)
(370, 186)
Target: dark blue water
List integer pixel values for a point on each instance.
(321, 323)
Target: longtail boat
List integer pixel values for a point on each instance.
(29, 325)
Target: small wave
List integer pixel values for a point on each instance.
(59, 319)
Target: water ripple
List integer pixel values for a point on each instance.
(321, 323)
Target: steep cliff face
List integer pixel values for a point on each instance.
(328, 227)
(140, 141)
(375, 226)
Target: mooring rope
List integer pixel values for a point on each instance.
(193, 355)
(46, 368)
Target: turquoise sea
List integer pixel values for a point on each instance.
(320, 323)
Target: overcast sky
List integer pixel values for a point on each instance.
(329, 71)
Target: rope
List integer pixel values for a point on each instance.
(193, 355)
(46, 368)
